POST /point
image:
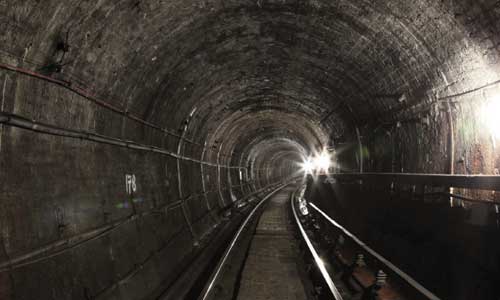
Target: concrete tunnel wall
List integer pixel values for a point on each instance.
(248, 84)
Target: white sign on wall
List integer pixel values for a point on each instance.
(130, 184)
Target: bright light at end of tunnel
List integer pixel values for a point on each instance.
(308, 166)
(322, 161)
(490, 115)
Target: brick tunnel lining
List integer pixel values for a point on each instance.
(235, 79)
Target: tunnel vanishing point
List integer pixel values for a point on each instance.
(249, 149)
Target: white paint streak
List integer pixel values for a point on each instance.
(26, 50)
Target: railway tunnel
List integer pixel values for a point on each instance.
(154, 149)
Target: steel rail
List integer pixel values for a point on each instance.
(68, 244)
(139, 267)
(213, 278)
(61, 246)
(319, 262)
(412, 282)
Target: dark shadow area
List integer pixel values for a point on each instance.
(442, 247)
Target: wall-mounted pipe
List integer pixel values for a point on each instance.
(25, 123)
(82, 89)
(230, 182)
(179, 179)
(203, 185)
(360, 145)
(221, 197)
(451, 141)
(88, 95)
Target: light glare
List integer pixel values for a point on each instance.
(308, 166)
(322, 161)
(490, 114)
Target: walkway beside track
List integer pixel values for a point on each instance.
(271, 270)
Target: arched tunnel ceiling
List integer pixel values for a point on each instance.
(340, 63)
(200, 103)
(242, 129)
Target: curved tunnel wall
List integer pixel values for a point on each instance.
(150, 88)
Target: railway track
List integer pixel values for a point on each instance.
(347, 268)
(282, 250)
